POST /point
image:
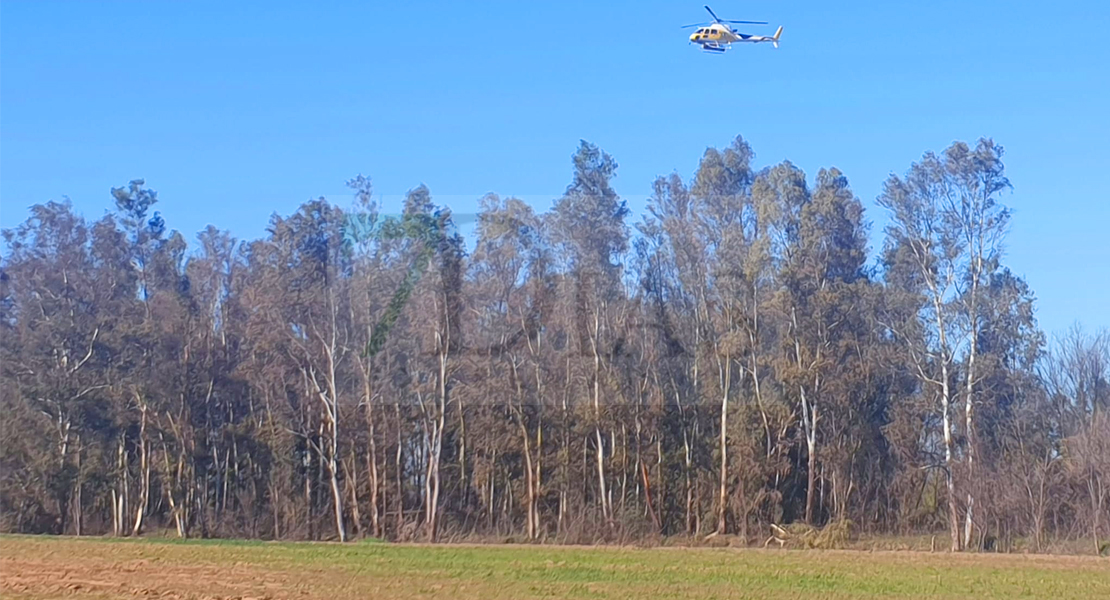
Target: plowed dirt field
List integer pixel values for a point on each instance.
(47, 567)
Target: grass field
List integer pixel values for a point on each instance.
(42, 567)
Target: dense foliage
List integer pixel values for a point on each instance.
(728, 361)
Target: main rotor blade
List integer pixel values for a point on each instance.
(715, 17)
(749, 22)
(694, 25)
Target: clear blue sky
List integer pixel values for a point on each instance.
(234, 111)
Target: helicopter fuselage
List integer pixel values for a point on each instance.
(718, 38)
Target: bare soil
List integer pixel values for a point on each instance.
(37, 568)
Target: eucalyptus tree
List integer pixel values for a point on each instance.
(374, 273)
(588, 222)
(730, 300)
(973, 180)
(922, 254)
(674, 277)
(821, 246)
(302, 262)
(947, 229)
(157, 263)
(57, 320)
(511, 294)
(427, 236)
(197, 421)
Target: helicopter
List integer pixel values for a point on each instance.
(718, 36)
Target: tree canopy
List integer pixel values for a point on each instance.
(727, 361)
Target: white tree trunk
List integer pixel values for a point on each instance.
(722, 499)
(606, 509)
(144, 472)
(945, 402)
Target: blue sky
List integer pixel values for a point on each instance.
(236, 111)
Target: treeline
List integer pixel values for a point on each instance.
(728, 361)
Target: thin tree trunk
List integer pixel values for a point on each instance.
(119, 493)
(337, 497)
(432, 483)
(811, 478)
(689, 482)
(647, 498)
(953, 515)
(662, 486)
(144, 470)
(594, 341)
(309, 512)
(535, 465)
(529, 474)
(969, 429)
(946, 403)
(809, 417)
(372, 449)
(174, 483)
(464, 474)
(564, 482)
(722, 499)
(624, 466)
(538, 481)
(333, 417)
(1094, 487)
(78, 502)
(372, 476)
(351, 477)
